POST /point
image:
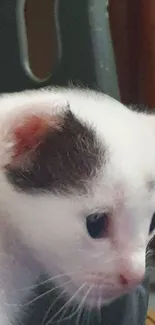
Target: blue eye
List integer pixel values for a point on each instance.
(97, 225)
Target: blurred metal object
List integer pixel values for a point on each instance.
(103, 47)
(150, 260)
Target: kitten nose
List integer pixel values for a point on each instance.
(130, 280)
(131, 276)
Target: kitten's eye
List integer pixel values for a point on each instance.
(152, 225)
(97, 225)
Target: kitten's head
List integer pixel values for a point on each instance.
(78, 182)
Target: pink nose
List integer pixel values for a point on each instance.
(132, 270)
(131, 279)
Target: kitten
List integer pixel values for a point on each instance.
(77, 194)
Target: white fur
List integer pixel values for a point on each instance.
(48, 231)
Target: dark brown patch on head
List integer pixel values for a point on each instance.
(64, 159)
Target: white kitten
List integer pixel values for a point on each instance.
(77, 194)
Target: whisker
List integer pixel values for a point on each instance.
(66, 304)
(47, 292)
(52, 305)
(64, 312)
(40, 296)
(81, 303)
(79, 315)
(61, 319)
(35, 286)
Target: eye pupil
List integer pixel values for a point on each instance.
(97, 225)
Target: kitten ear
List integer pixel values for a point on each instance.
(32, 130)
(29, 128)
(53, 151)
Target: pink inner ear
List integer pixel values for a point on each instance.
(29, 135)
